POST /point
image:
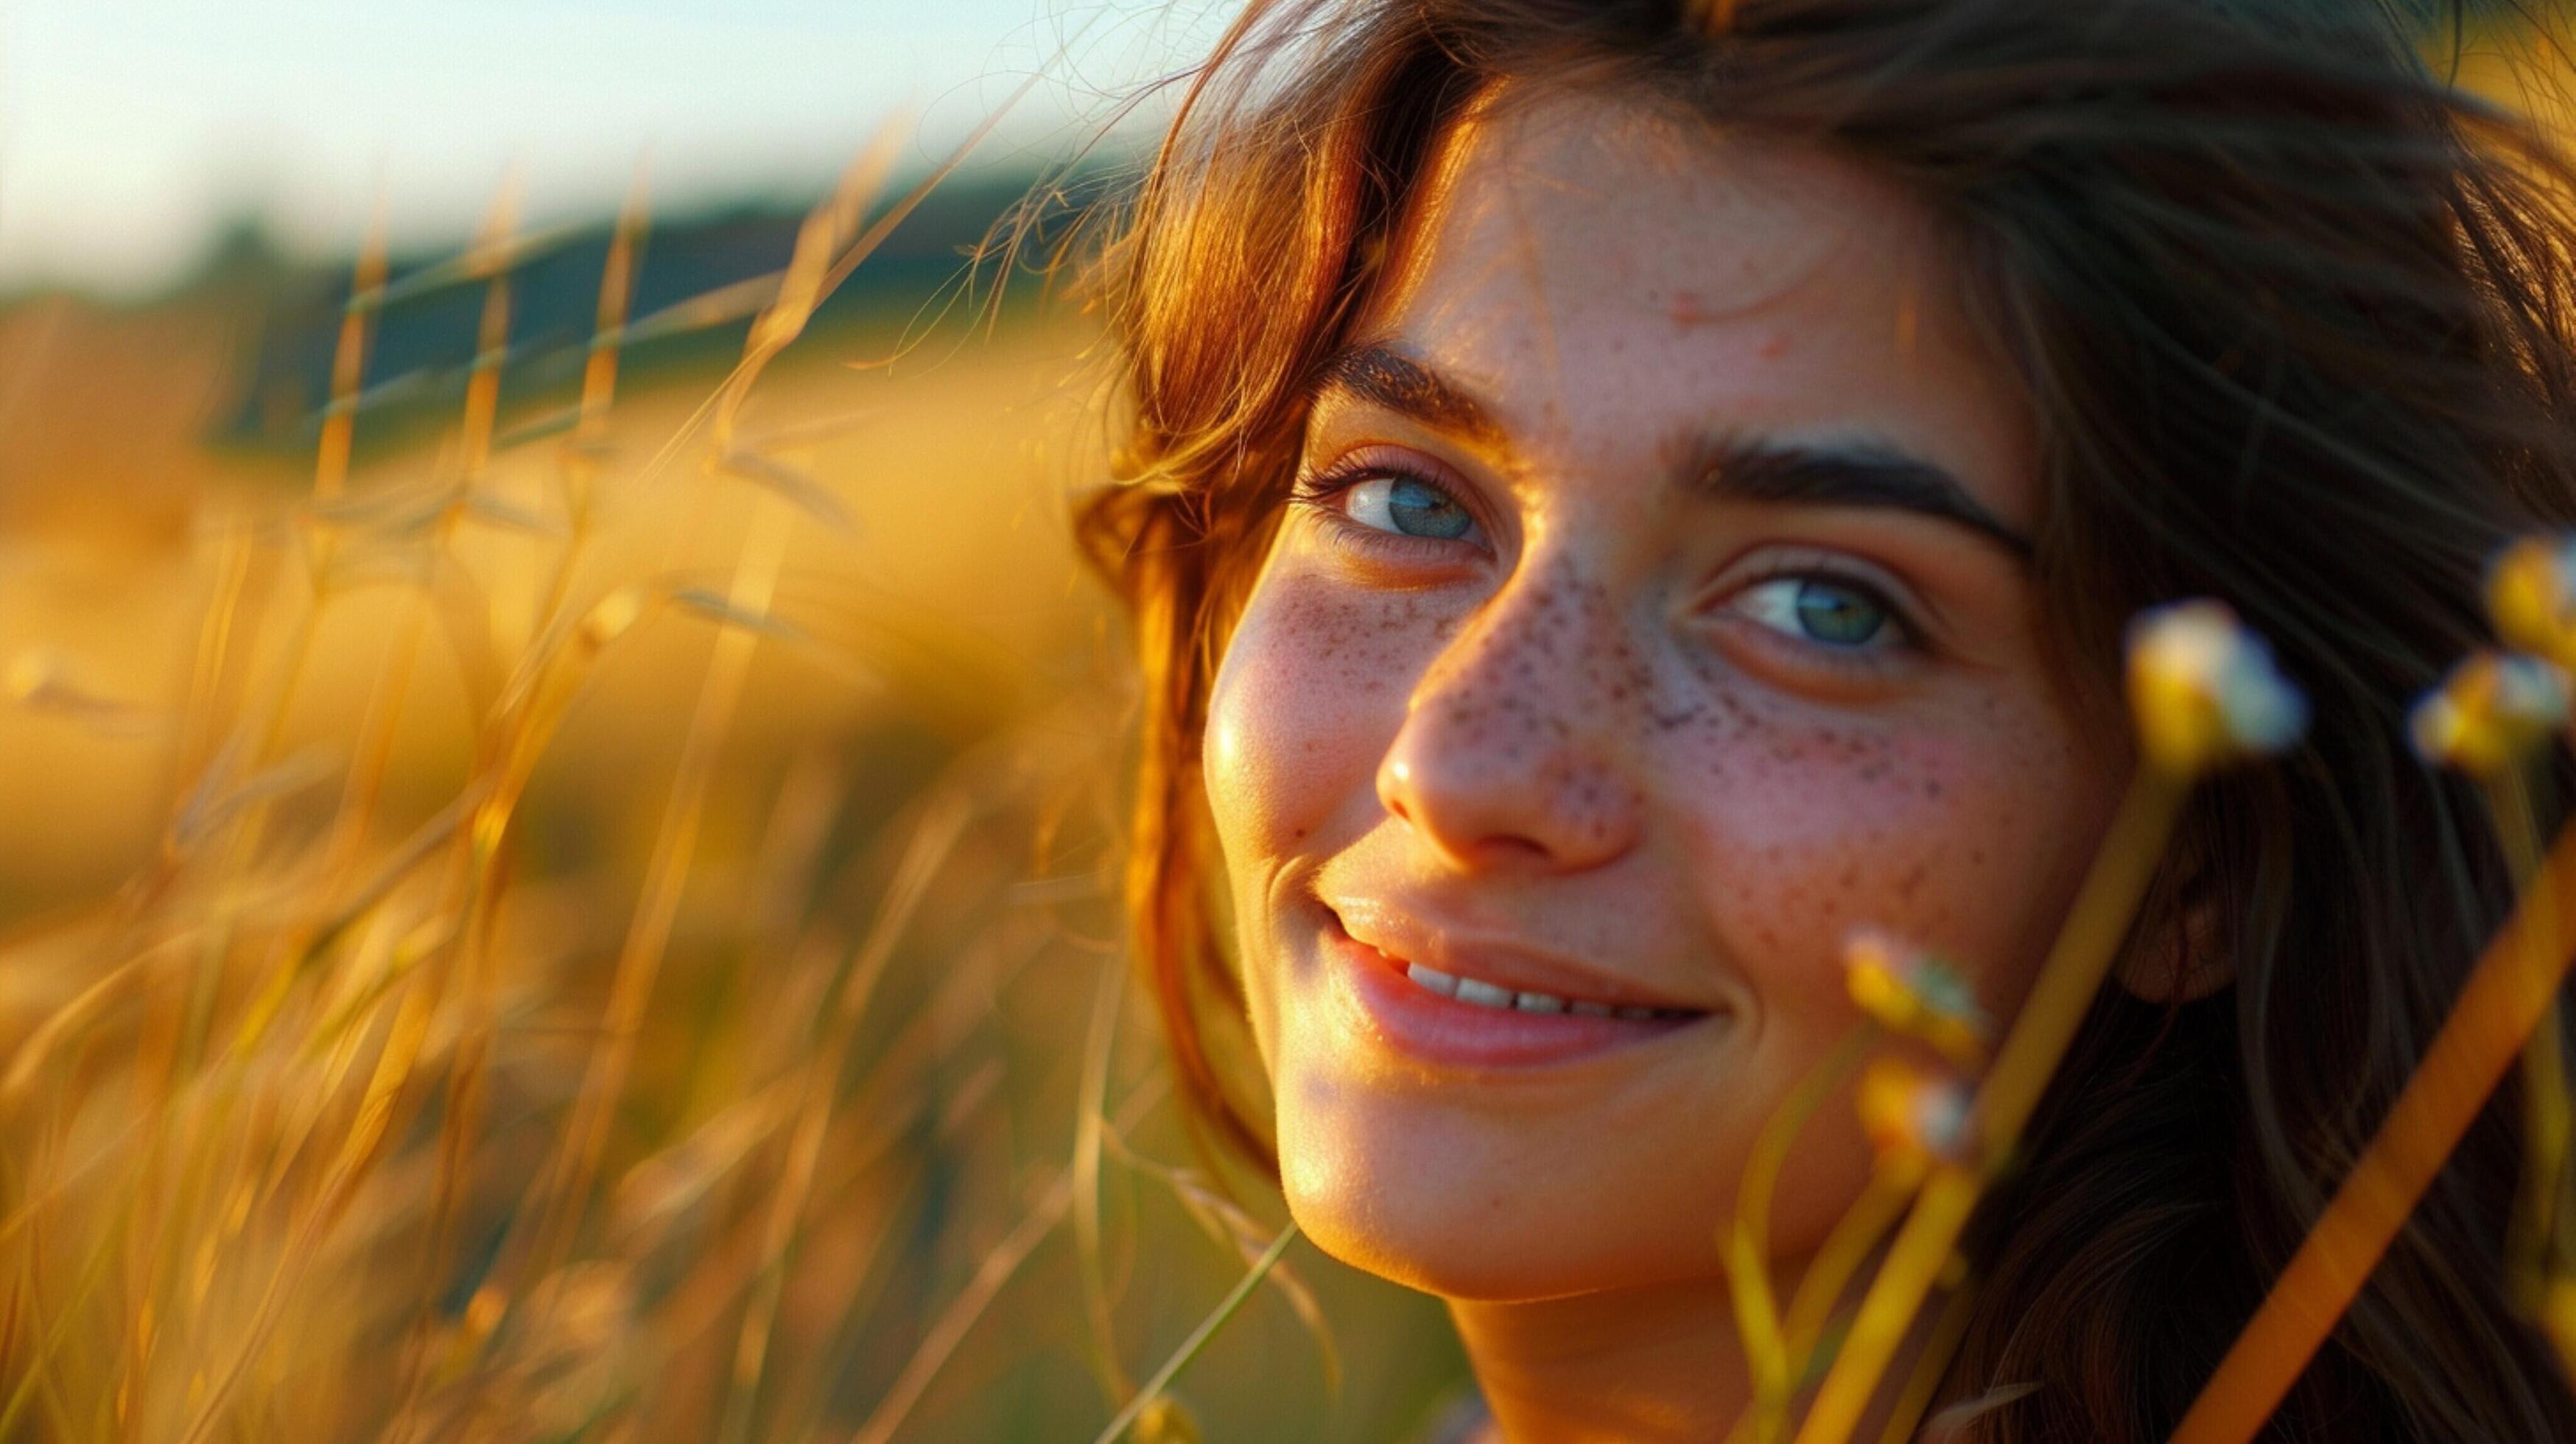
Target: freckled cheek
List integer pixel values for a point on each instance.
(1310, 694)
(1948, 842)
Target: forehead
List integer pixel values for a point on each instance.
(1601, 270)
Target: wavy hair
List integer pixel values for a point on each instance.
(2291, 318)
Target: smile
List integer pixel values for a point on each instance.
(1493, 995)
(1470, 1024)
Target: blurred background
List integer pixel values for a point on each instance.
(559, 776)
(555, 883)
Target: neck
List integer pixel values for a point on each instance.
(1654, 1363)
(1662, 1362)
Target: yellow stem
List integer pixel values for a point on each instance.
(1748, 1238)
(2530, 1245)
(2068, 979)
(2507, 995)
(639, 961)
(349, 362)
(1858, 1231)
(1928, 1369)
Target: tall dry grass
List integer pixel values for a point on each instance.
(602, 927)
(610, 932)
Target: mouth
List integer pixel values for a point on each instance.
(1459, 1020)
(1477, 993)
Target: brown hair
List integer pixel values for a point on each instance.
(2292, 321)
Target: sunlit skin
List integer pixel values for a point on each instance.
(1625, 644)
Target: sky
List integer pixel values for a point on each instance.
(133, 131)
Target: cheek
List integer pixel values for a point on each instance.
(1964, 838)
(1968, 839)
(1310, 694)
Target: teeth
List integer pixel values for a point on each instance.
(1491, 995)
(1483, 994)
(1434, 979)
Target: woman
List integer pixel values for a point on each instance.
(1623, 494)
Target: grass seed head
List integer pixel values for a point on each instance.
(1167, 1421)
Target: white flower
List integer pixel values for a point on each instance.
(2204, 689)
(1911, 991)
(1913, 1116)
(2493, 709)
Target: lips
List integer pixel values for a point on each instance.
(1483, 994)
(1459, 1020)
(1483, 961)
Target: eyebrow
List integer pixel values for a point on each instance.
(1385, 377)
(1720, 465)
(1856, 474)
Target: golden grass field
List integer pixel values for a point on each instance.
(557, 939)
(606, 930)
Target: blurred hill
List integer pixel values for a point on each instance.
(702, 277)
(933, 418)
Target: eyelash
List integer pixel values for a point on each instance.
(1318, 492)
(1909, 635)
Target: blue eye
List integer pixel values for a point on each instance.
(1821, 610)
(1408, 506)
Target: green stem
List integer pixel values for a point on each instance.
(1199, 1337)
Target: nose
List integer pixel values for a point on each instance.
(1511, 753)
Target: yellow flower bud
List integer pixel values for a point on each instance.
(1912, 992)
(2493, 710)
(2531, 596)
(2204, 689)
(1914, 1117)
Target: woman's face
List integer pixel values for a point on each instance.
(1654, 614)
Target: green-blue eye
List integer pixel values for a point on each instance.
(1408, 506)
(1823, 611)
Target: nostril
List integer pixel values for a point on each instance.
(1394, 785)
(1510, 847)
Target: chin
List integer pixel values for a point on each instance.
(1393, 1203)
